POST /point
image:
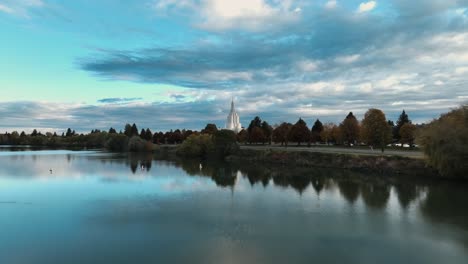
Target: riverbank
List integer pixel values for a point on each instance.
(371, 163)
(296, 157)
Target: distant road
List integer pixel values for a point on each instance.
(341, 150)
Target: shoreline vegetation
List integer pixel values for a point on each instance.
(444, 142)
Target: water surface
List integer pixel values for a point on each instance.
(97, 207)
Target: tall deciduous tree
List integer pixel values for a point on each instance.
(349, 129)
(375, 129)
(299, 132)
(407, 134)
(280, 134)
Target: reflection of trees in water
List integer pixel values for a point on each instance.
(406, 193)
(139, 160)
(375, 194)
(446, 204)
(349, 189)
(223, 174)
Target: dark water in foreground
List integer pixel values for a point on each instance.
(105, 208)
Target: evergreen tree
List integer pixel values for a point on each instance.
(148, 134)
(128, 130)
(112, 131)
(134, 130)
(317, 129)
(34, 133)
(267, 131)
(403, 119)
(68, 133)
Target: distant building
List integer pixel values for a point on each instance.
(232, 122)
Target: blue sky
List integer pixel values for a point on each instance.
(176, 64)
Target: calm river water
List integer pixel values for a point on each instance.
(97, 207)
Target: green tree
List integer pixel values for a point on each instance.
(134, 130)
(299, 132)
(196, 146)
(225, 142)
(69, 133)
(375, 129)
(349, 129)
(128, 130)
(267, 131)
(316, 131)
(445, 142)
(112, 131)
(209, 129)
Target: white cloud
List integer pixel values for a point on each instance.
(20, 7)
(461, 70)
(348, 59)
(6, 9)
(244, 14)
(307, 65)
(367, 6)
(331, 4)
(366, 87)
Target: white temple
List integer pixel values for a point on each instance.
(232, 122)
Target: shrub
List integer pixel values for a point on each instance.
(445, 142)
(196, 146)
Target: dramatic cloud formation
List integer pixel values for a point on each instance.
(280, 60)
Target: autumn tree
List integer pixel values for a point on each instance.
(407, 134)
(327, 135)
(242, 136)
(350, 129)
(299, 132)
(280, 133)
(316, 130)
(256, 135)
(375, 129)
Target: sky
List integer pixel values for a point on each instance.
(168, 64)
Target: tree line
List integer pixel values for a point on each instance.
(374, 129)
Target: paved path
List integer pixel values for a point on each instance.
(341, 150)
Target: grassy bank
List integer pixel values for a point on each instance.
(379, 164)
